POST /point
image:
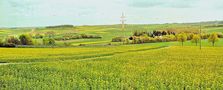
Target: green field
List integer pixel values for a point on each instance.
(99, 66)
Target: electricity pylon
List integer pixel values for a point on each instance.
(123, 21)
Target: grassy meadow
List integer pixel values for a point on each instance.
(104, 65)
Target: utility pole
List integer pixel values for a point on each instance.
(200, 36)
(123, 21)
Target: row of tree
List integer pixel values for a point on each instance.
(213, 38)
(153, 33)
(24, 40)
(163, 36)
(12, 41)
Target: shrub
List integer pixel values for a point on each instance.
(51, 41)
(220, 35)
(189, 36)
(38, 36)
(26, 39)
(170, 38)
(140, 33)
(89, 36)
(1, 43)
(48, 41)
(70, 37)
(204, 36)
(118, 39)
(12, 40)
(126, 41)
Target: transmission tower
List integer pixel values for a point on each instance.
(123, 21)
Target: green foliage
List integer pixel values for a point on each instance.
(26, 39)
(182, 37)
(12, 40)
(77, 36)
(1, 42)
(38, 36)
(213, 38)
(118, 39)
(196, 38)
(126, 41)
(168, 38)
(147, 39)
(49, 41)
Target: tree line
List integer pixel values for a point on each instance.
(139, 37)
(24, 40)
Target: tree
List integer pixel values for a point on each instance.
(1, 42)
(195, 39)
(51, 41)
(12, 40)
(26, 39)
(48, 41)
(213, 38)
(182, 38)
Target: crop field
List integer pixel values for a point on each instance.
(125, 67)
(100, 64)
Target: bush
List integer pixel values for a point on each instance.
(89, 36)
(146, 39)
(118, 39)
(26, 39)
(189, 36)
(48, 41)
(204, 36)
(70, 37)
(168, 38)
(140, 33)
(38, 36)
(12, 40)
(1, 43)
(51, 41)
(220, 35)
(126, 41)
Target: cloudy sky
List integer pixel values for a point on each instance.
(94, 12)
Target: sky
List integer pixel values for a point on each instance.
(28, 13)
